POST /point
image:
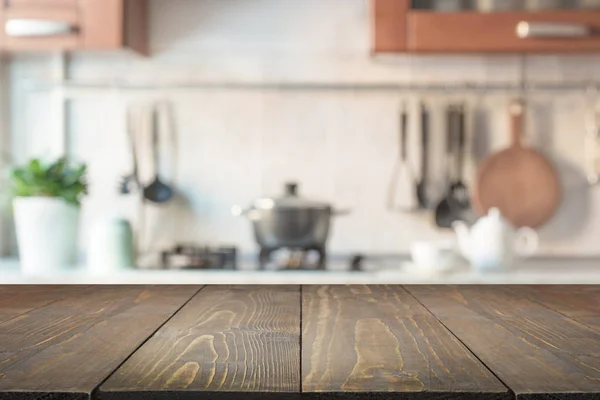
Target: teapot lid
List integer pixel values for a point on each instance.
(494, 217)
(495, 214)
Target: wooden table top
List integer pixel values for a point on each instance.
(292, 342)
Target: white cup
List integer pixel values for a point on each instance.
(434, 257)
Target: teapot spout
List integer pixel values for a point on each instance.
(463, 237)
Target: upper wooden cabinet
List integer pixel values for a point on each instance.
(73, 24)
(398, 26)
(40, 3)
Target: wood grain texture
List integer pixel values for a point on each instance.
(20, 299)
(578, 302)
(227, 342)
(357, 342)
(464, 32)
(370, 341)
(535, 351)
(66, 348)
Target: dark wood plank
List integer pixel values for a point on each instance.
(537, 352)
(67, 348)
(578, 302)
(228, 341)
(16, 300)
(378, 341)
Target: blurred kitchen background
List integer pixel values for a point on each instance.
(267, 92)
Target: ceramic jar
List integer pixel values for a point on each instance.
(47, 229)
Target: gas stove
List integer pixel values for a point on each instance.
(291, 259)
(197, 257)
(190, 256)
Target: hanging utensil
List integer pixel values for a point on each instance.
(518, 180)
(459, 191)
(592, 145)
(130, 182)
(402, 194)
(422, 184)
(157, 191)
(444, 212)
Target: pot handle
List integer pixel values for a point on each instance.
(251, 213)
(341, 212)
(237, 211)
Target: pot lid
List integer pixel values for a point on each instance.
(290, 199)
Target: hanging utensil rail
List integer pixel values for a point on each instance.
(82, 87)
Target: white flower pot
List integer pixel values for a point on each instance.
(47, 230)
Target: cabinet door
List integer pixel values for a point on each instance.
(486, 26)
(389, 25)
(36, 24)
(1, 29)
(530, 32)
(74, 24)
(40, 3)
(115, 24)
(104, 23)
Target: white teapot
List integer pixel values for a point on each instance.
(491, 244)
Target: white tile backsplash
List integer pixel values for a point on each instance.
(235, 145)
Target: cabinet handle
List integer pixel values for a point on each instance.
(20, 27)
(527, 30)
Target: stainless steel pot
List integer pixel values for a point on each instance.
(289, 221)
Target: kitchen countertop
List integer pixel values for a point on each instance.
(541, 270)
(283, 342)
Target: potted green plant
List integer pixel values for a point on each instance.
(46, 203)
